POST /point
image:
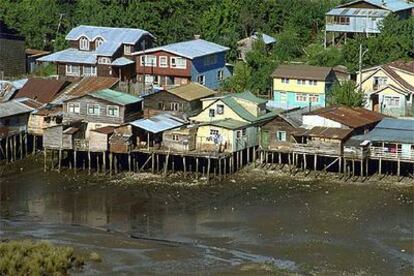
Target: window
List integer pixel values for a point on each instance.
(238, 134)
(163, 62)
(201, 79)
(175, 137)
(98, 42)
(149, 60)
(113, 111)
(84, 43)
(175, 106)
(160, 106)
(281, 135)
(244, 131)
(178, 62)
(128, 49)
(93, 109)
(210, 60)
(380, 82)
(285, 80)
(74, 108)
(72, 70)
(220, 109)
(341, 20)
(390, 101)
(301, 82)
(301, 98)
(104, 60)
(89, 70)
(214, 132)
(212, 112)
(313, 98)
(220, 75)
(313, 82)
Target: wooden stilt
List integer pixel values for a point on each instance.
(89, 162)
(184, 167)
(237, 161)
(398, 169)
(129, 162)
(14, 148)
(304, 162)
(158, 163)
(34, 144)
(366, 167)
(315, 162)
(353, 167)
(97, 163)
(7, 149)
(166, 164)
(203, 171)
(152, 163)
(60, 159)
(116, 163)
(21, 145)
(45, 160)
(74, 161)
(110, 163)
(173, 165)
(254, 157)
(219, 168)
(197, 168)
(25, 144)
(225, 167)
(241, 159)
(279, 158)
(248, 156)
(340, 165)
(380, 167)
(208, 169)
(362, 168)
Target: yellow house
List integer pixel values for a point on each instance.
(229, 123)
(301, 85)
(389, 88)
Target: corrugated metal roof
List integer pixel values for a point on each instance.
(302, 71)
(392, 5)
(328, 132)
(351, 117)
(249, 96)
(397, 124)
(107, 48)
(159, 123)
(105, 130)
(122, 61)
(116, 97)
(70, 55)
(359, 12)
(190, 49)
(121, 35)
(266, 38)
(14, 107)
(228, 124)
(42, 90)
(191, 91)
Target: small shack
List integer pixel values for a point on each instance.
(47, 116)
(69, 136)
(180, 139)
(99, 139)
(42, 90)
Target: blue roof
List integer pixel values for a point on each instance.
(158, 123)
(391, 131)
(107, 48)
(191, 49)
(122, 61)
(70, 56)
(266, 38)
(114, 35)
(392, 5)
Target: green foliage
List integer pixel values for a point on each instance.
(240, 81)
(317, 55)
(35, 258)
(45, 70)
(346, 94)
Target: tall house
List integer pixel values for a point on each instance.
(12, 53)
(100, 51)
(362, 17)
(176, 64)
(389, 88)
(299, 85)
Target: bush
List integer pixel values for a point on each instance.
(36, 258)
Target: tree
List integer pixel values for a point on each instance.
(346, 94)
(240, 81)
(317, 55)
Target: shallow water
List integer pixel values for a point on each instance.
(228, 228)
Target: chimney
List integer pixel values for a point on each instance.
(197, 36)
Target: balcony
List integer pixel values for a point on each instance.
(391, 154)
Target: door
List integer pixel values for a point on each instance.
(265, 139)
(375, 102)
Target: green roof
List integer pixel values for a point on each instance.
(249, 96)
(238, 109)
(228, 123)
(116, 97)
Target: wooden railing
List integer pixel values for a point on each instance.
(385, 153)
(314, 149)
(355, 152)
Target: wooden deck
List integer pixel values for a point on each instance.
(384, 154)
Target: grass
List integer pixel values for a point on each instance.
(36, 258)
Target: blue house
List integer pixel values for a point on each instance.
(180, 63)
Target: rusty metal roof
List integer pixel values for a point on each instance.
(104, 130)
(192, 91)
(328, 132)
(92, 84)
(42, 90)
(351, 117)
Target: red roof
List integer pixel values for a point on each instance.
(41, 90)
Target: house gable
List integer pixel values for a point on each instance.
(228, 112)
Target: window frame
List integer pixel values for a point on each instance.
(72, 107)
(145, 58)
(106, 60)
(220, 109)
(98, 42)
(69, 70)
(161, 64)
(280, 138)
(84, 43)
(94, 106)
(303, 96)
(220, 74)
(175, 106)
(214, 131)
(203, 82)
(111, 115)
(212, 113)
(175, 64)
(129, 51)
(93, 71)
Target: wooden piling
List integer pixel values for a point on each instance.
(152, 163)
(74, 161)
(184, 166)
(166, 164)
(45, 160)
(398, 169)
(89, 162)
(60, 159)
(110, 163)
(254, 157)
(7, 149)
(129, 162)
(225, 167)
(208, 169)
(158, 163)
(248, 156)
(380, 167)
(34, 144)
(116, 163)
(197, 176)
(219, 168)
(21, 145)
